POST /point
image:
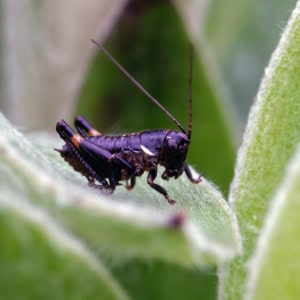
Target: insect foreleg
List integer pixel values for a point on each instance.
(84, 128)
(150, 180)
(189, 175)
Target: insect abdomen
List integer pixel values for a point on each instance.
(135, 142)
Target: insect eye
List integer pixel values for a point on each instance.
(173, 145)
(182, 143)
(177, 144)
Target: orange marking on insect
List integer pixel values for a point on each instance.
(76, 140)
(94, 132)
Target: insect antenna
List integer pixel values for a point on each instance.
(136, 83)
(190, 122)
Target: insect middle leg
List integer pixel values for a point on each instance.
(150, 180)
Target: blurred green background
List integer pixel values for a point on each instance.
(50, 70)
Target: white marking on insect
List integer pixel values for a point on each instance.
(146, 150)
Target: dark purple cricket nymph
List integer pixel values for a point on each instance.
(107, 160)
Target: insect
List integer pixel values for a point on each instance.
(106, 160)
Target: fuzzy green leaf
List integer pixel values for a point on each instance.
(141, 224)
(275, 271)
(39, 260)
(272, 133)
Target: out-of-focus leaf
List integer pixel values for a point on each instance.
(275, 271)
(200, 229)
(242, 40)
(39, 260)
(44, 55)
(271, 137)
(160, 280)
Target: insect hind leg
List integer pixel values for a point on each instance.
(84, 128)
(150, 180)
(72, 153)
